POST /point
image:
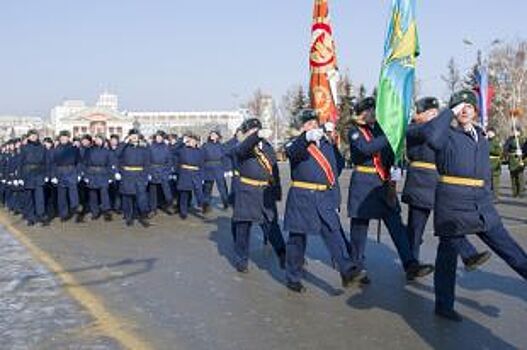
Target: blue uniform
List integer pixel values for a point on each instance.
(214, 171)
(464, 203)
(98, 168)
(419, 190)
(134, 167)
(115, 195)
(162, 167)
(313, 210)
(65, 163)
(32, 170)
(255, 197)
(189, 177)
(372, 197)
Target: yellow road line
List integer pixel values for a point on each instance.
(104, 320)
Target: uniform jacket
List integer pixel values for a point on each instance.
(137, 156)
(33, 164)
(98, 167)
(188, 179)
(162, 165)
(64, 164)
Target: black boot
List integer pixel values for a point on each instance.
(477, 260)
(296, 287)
(107, 216)
(418, 270)
(450, 315)
(143, 220)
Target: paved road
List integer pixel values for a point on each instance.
(174, 287)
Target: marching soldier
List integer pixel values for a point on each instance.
(464, 203)
(115, 197)
(134, 165)
(372, 194)
(312, 203)
(496, 154)
(214, 169)
(162, 167)
(421, 183)
(98, 173)
(189, 174)
(64, 173)
(32, 167)
(256, 194)
(515, 157)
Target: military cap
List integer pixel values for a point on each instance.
(47, 140)
(64, 133)
(251, 124)
(32, 132)
(365, 104)
(307, 114)
(86, 137)
(464, 96)
(114, 136)
(134, 132)
(215, 131)
(160, 133)
(426, 103)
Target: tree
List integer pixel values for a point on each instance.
(298, 102)
(255, 104)
(507, 75)
(453, 77)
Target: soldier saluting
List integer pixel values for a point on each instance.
(313, 202)
(421, 182)
(464, 203)
(372, 193)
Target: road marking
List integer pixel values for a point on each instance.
(107, 323)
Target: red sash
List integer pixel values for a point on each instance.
(321, 160)
(377, 160)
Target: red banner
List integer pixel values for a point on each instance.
(323, 65)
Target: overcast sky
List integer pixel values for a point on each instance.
(197, 55)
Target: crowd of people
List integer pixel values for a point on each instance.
(451, 170)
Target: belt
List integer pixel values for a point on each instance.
(252, 182)
(495, 157)
(236, 173)
(213, 162)
(365, 169)
(32, 166)
(96, 168)
(310, 186)
(133, 168)
(423, 165)
(158, 165)
(66, 167)
(461, 181)
(189, 167)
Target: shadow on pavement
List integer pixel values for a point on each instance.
(111, 274)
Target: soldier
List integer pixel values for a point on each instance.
(464, 202)
(421, 183)
(134, 165)
(189, 177)
(372, 193)
(513, 153)
(256, 194)
(214, 169)
(115, 197)
(162, 167)
(496, 155)
(98, 170)
(312, 203)
(65, 174)
(32, 167)
(174, 144)
(50, 190)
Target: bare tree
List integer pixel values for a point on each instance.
(508, 73)
(453, 77)
(255, 105)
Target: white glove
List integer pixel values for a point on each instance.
(9, 183)
(110, 181)
(519, 152)
(21, 182)
(329, 126)
(3, 181)
(46, 179)
(228, 174)
(149, 177)
(314, 135)
(15, 182)
(457, 109)
(54, 181)
(87, 181)
(118, 177)
(396, 174)
(265, 133)
(79, 178)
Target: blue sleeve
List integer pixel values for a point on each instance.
(359, 145)
(435, 131)
(341, 162)
(245, 149)
(296, 150)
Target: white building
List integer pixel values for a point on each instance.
(15, 126)
(79, 118)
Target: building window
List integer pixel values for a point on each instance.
(120, 131)
(76, 131)
(112, 130)
(84, 130)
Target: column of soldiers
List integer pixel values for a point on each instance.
(70, 178)
(450, 170)
(453, 167)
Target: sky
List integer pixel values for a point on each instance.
(212, 54)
